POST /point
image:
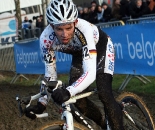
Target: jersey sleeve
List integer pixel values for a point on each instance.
(48, 56)
(89, 62)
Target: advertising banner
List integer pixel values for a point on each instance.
(7, 30)
(134, 47)
(28, 59)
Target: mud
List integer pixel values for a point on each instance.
(9, 114)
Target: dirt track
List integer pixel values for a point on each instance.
(9, 116)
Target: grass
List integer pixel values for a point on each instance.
(134, 85)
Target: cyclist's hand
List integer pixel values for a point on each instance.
(36, 109)
(61, 95)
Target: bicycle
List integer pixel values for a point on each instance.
(135, 112)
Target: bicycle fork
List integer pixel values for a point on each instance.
(67, 116)
(126, 113)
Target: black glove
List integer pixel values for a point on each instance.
(61, 95)
(36, 109)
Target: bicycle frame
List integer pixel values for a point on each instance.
(67, 115)
(66, 110)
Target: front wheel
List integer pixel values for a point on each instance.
(135, 107)
(58, 125)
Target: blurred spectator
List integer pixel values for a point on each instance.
(25, 27)
(30, 24)
(151, 5)
(124, 8)
(80, 11)
(25, 23)
(34, 18)
(93, 15)
(116, 14)
(40, 23)
(33, 26)
(25, 19)
(138, 8)
(100, 12)
(31, 31)
(107, 12)
(85, 14)
(94, 3)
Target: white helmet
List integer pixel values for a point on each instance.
(61, 11)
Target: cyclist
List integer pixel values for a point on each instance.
(92, 58)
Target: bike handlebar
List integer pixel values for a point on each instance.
(27, 100)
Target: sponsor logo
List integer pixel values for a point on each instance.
(76, 83)
(95, 34)
(81, 37)
(111, 65)
(111, 56)
(52, 36)
(48, 43)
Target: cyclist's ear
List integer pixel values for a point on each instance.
(76, 21)
(52, 26)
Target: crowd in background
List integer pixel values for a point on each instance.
(119, 10)
(36, 22)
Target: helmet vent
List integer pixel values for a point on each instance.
(55, 3)
(52, 7)
(62, 10)
(69, 14)
(49, 18)
(68, 4)
(56, 16)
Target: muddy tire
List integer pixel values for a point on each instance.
(138, 111)
(58, 125)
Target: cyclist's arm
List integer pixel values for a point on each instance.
(50, 63)
(89, 63)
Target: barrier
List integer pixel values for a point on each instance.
(29, 60)
(25, 34)
(136, 44)
(128, 41)
(148, 15)
(110, 24)
(7, 58)
(141, 20)
(129, 77)
(28, 57)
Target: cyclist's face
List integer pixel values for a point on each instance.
(64, 32)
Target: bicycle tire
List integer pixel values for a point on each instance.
(58, 125)
(138, 111)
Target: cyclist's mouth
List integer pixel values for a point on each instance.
(65, 41)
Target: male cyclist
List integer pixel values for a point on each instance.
(92, 58)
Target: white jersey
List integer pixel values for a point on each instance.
(83, 43)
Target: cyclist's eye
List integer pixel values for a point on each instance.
(69, 28)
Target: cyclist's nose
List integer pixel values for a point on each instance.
(64, 34)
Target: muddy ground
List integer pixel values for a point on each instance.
(9, 115)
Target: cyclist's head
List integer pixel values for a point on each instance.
(61, 12)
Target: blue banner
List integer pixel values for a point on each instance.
(28, 59)
(135, 48)
(63, 62)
